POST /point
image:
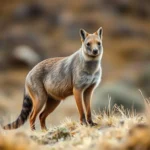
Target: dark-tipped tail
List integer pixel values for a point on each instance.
(25, 112)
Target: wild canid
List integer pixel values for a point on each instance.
(54, 79)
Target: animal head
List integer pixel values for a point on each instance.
(92, 43)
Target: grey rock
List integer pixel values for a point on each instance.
(120, 94)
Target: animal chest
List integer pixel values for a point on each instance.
(86, 79)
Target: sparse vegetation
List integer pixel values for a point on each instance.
(117, 129)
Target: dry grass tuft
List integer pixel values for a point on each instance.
(117, 129)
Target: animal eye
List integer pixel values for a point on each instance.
(98, 43)
(88, 44)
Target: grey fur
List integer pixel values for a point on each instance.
(59, 78)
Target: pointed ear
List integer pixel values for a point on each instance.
(83, 34)
(99, 32)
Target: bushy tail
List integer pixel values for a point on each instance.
(26, 109)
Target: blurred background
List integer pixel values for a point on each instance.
(33, 30)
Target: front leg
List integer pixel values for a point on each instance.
(78, 94)
(87, 95)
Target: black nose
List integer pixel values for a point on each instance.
(95, 51)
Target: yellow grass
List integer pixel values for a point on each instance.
(118, 129)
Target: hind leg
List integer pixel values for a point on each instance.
(37, 108)
(51, 104)
(38, 99)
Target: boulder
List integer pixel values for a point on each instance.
(120, 93)
(26, 54)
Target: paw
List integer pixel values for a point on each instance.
(84, 123)
(91, 123)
